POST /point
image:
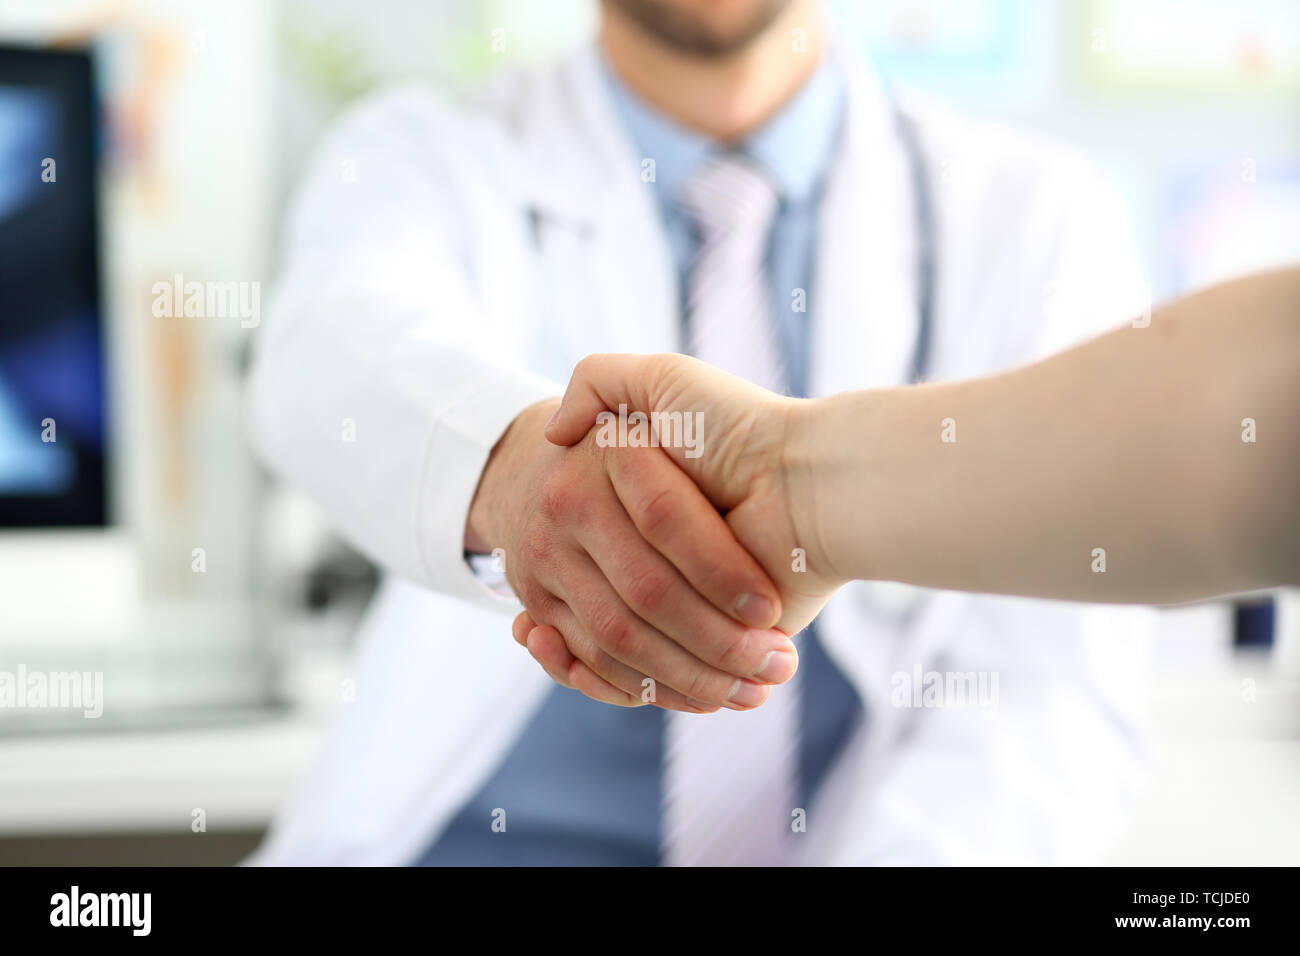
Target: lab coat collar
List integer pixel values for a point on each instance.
(844, 91)
(675, 149)
(584, 170)
(797, 145)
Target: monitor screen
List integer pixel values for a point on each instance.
(52, 382)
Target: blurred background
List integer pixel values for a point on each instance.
(147, 547)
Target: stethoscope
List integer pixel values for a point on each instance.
(923, 216)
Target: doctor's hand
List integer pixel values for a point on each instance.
(753, 463)
(627, 564)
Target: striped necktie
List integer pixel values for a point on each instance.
(729, 777)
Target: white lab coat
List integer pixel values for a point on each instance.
(417, 315)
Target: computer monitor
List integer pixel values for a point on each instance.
(71, 567)
(52, 358)
(67, 577)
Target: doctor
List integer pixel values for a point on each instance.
(714, 178)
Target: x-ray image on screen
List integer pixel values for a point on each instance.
(52, 417)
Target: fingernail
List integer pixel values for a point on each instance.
(746, 694)
(777, 667)
(756, 610)
(555, 416)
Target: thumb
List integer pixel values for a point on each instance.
(600, 383)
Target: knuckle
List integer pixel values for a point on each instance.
(537, 548)
(733, 652)
(605, 667)
(560, 498)
(654, 513)
(583, 649)
(702, 685)
(618, 635)
(552, 500)
(535, 599)
(649, 591)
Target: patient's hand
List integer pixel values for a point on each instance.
(750, 463)
(571, 521)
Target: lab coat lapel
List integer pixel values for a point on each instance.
(864, 314)
(607, 262)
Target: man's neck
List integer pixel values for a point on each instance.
(729, 97)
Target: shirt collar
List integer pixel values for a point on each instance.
(794, 146)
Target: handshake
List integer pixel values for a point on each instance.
(674, 572)
(658, 565)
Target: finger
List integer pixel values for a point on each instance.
(600, 383)
(556, 670)
(586, 648)
(635, 646)
(525, 628)
(555, 664)
(547, 647)
(673, 516)
(523, 623)
(661, 597)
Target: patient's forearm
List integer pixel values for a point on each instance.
(1167, 455)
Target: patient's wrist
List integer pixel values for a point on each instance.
(811, 460)
(849, 482)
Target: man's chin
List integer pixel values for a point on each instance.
(686, 30)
